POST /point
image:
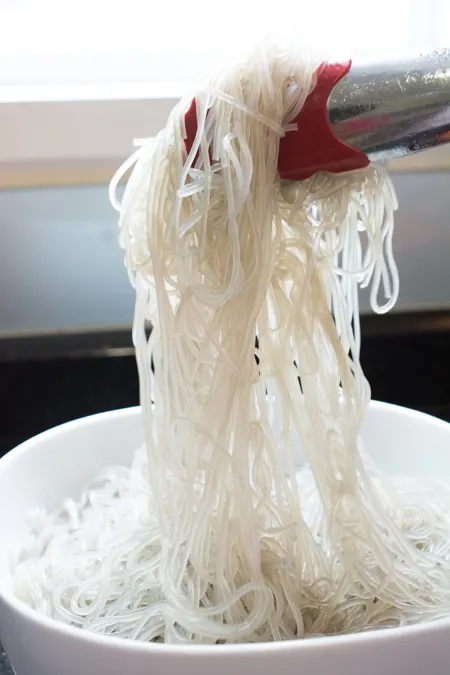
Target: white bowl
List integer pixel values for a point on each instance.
(54, 465)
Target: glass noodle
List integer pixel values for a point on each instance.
(253, 513)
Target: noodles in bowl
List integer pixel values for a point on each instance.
(215, 535)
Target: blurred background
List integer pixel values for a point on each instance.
(78, 82)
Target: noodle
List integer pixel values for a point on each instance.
(214, 535)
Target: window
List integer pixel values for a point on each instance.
(80, 79)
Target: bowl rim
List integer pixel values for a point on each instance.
(64, 631)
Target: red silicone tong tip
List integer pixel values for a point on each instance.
(312, 146)
(190, 122)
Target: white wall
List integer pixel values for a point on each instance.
(61, 267)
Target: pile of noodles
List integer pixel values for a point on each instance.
(214, 534)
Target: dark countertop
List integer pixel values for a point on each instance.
(5, 668)
(48, 380)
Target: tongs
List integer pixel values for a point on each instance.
(360, 112)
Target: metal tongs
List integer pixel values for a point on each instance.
(359, 112)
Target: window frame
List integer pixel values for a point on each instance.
(79, 140)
